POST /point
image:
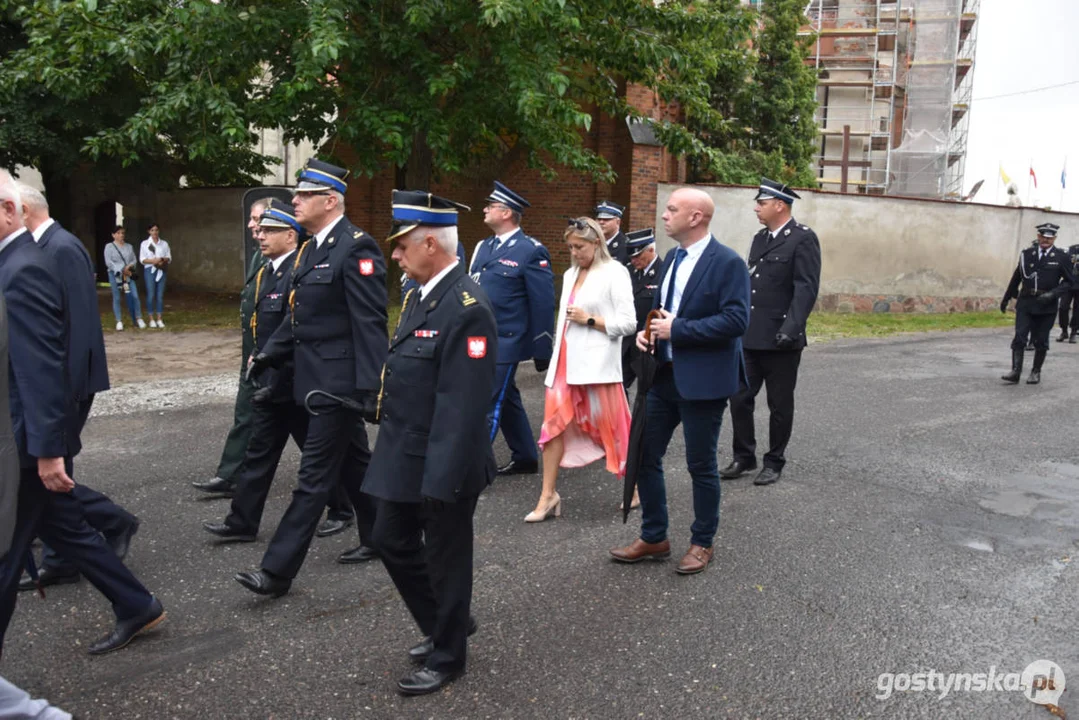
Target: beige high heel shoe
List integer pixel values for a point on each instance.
(553, 508)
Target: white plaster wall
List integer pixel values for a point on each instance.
(878, 245)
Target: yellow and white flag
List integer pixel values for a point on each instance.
(1004, 176)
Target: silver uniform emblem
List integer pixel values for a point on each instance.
(476, 278)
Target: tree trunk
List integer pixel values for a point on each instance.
(58, 193)
(418, 170)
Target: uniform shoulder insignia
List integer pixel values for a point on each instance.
(535, 242)
(467, 300)
(804, 227)
(358, 233)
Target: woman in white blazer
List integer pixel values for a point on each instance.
(586, 415)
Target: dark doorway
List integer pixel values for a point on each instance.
(104, 224)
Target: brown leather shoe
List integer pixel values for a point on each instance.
(639, 550)
(695, 560)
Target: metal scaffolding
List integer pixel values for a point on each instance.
(893, 93)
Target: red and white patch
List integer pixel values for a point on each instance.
(367, 267)
(477, 347)
(543, 263)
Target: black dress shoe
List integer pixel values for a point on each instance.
(422, 650)
(217, 486)
(1063, 336)
(425, 682)
(126, 630)
(50, 576)
(1071, 338)
(767, 476)
(515, 467)
(121, 543)
(261, 582)
(227, 532)
(737, 468)
(329, 526)
(357, 555)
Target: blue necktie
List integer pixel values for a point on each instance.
(663, 347)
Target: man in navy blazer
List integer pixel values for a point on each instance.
(87, 372)
(45, 424)
(704, 301)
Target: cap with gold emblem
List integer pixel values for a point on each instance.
(413, 208)
(278, 214)
(318, 176)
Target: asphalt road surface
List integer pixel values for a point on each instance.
(927, 521)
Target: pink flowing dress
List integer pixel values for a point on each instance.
(594, 420)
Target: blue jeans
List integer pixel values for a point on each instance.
(132, 299)
(700, 420)
(155, 290)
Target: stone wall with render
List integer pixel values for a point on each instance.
(893, 254)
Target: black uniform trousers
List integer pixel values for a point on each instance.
(427, 550)
(101, 513)
(1069, 306)
(59, 520)
(271, 426)
(335, 451)
(777, 370)
(1037, 325)
(239, 438)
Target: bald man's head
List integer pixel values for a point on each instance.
(687, 215)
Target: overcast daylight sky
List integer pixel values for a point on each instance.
(1024, 45)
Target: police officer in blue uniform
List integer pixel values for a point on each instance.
(433, 456)
(784, 274)
(275, 414)
(336, 339)
(644, 272)
(1069, 303)
(514, 271)
(609, 216)
(1042, 276)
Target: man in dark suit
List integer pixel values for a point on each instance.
(87, 371)
(433, 457)
(275, 416)
(644, 272)
(336, 339)
(784, 268)
(514, 271)
(609, 216)
(45, 424)
(704, 303)
(1042, 276)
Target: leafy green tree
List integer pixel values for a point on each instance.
(772, 132)
(428, 86)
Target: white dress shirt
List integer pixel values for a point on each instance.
(41, 229)
(430, 284)
(276, 263)
(160, 250)
(685, 269)
(320, 236)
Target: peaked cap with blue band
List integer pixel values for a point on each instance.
(505, 196)
(607, 210)
(773, 189)
(317, 176)
(278, 214)
(1048, 229)
(413, 208)
(639, 240)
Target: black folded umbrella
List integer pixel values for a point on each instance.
(645, 367)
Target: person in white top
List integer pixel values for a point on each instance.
(585, 415)
(155, 256)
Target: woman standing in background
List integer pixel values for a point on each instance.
(155, 256)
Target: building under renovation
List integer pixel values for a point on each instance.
(893, 91)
